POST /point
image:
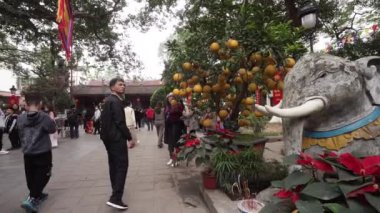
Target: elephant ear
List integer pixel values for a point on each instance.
(369, 67)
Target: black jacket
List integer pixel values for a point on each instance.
(113, 126)
(34, 129)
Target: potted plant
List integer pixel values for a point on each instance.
(329, 183)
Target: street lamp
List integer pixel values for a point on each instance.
(308, 15)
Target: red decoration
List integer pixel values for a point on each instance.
(277, 96)
(65, 20)
(258, 97)
(13, 100)
(308, 160)
(365, 167)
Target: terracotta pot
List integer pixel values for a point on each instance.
(209, 180)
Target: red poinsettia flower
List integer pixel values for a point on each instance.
(368, 166)
(308, 160)
(192, 142)
(233, 152)
(329, 155)
(293, 195)
(369, 188)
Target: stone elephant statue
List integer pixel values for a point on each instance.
(331, 103)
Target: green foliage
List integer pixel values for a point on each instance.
(28, 27)
(330, 183)
(158, 96)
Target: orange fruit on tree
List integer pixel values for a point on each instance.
(270, 70)
(238, 80)
(177, 77)
(216, 88)
(207, 122)
(280, 85)
(190, 82)
(188, 90)
(270, 60)
(258, 113)
(197, 88)
(290, 62)
(255, 69)
(271, 84)
(242, 71)
(187, 66)
(232, 44)
(195, 79)
(183, 84)
(256, 57)
(245, 113)
(223, 114)
(243, 122)
(206, 89)
(226, 86)
(221, 79)
(287, 69)
(226, 72)
(252, 87)
(176, 92)
(214, 47)
(249, 101)
(249, 76)
(182, 92)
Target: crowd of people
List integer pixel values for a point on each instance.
(34, 130)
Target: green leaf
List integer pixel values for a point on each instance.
(198, 161)
(323, 191)
(373, 200)
(313, 206)
(285, 205)
(349, 187)
(346, 175)
(335, 207)
(357, 207)
(296, 178)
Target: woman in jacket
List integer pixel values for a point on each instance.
(130, 120)
(174, 126)
(159, 122)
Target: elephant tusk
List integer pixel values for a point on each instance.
(262, 109)
(309, 107)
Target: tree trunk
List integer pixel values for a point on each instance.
(292, 12)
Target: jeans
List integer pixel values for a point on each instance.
(74, 131)
(150, 124)
(160, 133)
(118, 167)
(37, 172)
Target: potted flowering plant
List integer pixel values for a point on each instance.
(329, 183)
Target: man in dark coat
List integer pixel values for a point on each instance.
(115, 134)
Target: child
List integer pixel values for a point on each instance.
(34, 129)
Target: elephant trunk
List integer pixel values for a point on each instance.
(292, 135)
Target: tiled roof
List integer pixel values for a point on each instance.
(96, 88)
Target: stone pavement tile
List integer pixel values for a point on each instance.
(93, 200)
(101, 190)
(65, 202)
(102, 182)
(85, 209)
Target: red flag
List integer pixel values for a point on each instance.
(65, 20)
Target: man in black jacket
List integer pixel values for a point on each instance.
(114, 134)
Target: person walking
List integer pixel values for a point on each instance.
(34, 127)
(73, 120)
(174, 126)
(130, 121)
(53, 137)
(115, 134)
(2, 126)
(96, 119)
(11, 128)
(149, 118)
(159, 122)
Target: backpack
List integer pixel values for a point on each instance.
(150, 114)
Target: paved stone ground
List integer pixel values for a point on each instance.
(80, 181)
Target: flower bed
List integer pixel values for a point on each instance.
(329, 183)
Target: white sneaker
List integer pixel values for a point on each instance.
(3, 152)
(169, 162)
